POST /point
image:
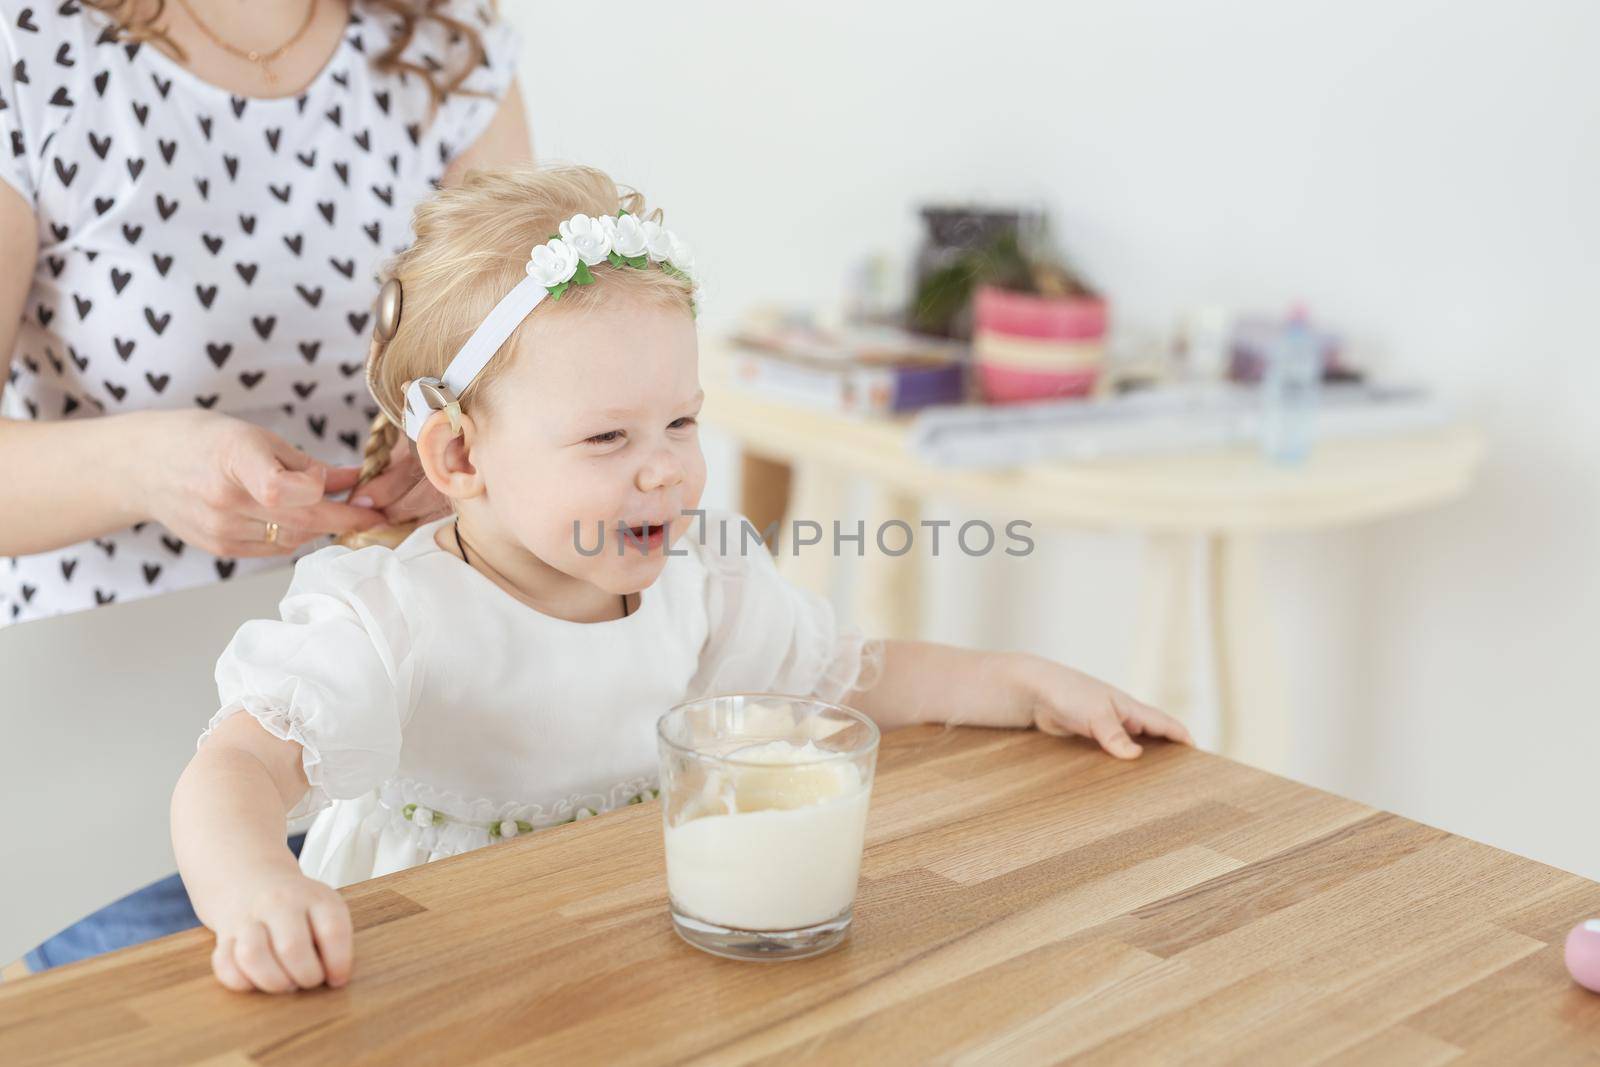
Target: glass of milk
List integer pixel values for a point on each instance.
(764, 807)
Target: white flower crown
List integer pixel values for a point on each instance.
(623, 240)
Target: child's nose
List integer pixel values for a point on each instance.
(661, 471)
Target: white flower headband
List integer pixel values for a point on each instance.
(623, 240)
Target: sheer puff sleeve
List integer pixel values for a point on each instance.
(765, 634)
(336, 674)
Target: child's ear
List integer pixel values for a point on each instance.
(447, 457)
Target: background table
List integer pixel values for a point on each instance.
(1203, 514)
(1023, 898)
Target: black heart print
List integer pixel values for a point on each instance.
(135, 156)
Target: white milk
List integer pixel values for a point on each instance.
(785, 850)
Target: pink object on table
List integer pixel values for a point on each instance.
(1028, 347)
(1049, 317)
(1583, 954)
(1010, 385)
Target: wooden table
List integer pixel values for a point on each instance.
(1203, 514)
(1023, 899)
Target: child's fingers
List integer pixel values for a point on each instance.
(330, 924)
(1173, 730)
(291, 943)
(226, 970)
(1160, 724)
(1106, 726)
(1140, 718)
(252, 951)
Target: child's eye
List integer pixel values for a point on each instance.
(605, 438)
(678, 424)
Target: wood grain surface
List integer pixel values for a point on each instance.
(1024, 899)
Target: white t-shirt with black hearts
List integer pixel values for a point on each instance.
(198, 248)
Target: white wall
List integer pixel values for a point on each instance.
(1424, 174)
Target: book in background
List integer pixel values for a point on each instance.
(865, 369)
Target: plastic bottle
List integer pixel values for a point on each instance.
(1290, 385)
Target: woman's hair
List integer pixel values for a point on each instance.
(137, 20)
(471, 248)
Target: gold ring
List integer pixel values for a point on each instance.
(272, 533)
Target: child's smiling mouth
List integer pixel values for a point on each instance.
(644, 535)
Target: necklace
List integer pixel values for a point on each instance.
(463, 550)
(264, 60)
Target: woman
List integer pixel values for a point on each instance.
(195, 200)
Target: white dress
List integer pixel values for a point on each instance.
(434, 708)
(203, 250)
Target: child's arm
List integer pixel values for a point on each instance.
(277, 930)
(926, 682)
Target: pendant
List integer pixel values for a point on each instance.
(266, 68)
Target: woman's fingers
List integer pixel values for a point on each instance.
(245, 536)
(296, 951)
(335, 937)
(388, 487)
(402, 492)
(296, 526)
(330, 517)
(226, 970)
(421, 503)
(252, 952)
(274, 472)
(402, 471)
(340, 480)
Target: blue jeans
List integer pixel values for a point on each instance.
(157, 910)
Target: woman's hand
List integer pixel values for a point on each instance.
(288, 932)
(402, 492)
(1066, 702)
(217, 481)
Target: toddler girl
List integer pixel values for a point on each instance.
(501, 669)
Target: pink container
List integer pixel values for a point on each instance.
(1051, 318)
(1028, 347)
(1009, 385)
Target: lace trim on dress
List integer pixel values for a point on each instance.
(282, 724)
(855, 666)
(444, 822)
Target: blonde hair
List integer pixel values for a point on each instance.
(471, 247)
(137, 20)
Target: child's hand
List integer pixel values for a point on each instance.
(1066, 701)
(290, 932)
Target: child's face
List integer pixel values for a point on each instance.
(595, 423)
